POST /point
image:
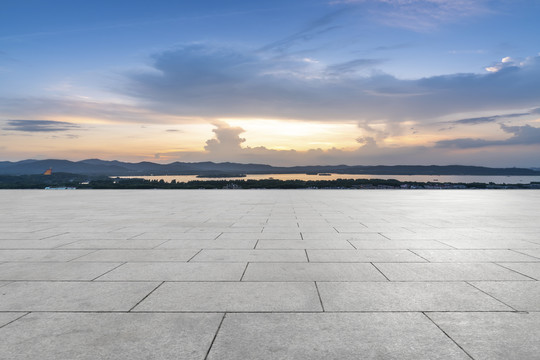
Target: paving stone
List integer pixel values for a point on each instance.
(171, 271)
(398, 244)
(405, 296)
(250, 256)
(304, 244)
(493, 336)
(7, 317)
(233, 296)
(520, 295)
(33, 244)
(73, 296)
(332, 336)
(140, 255)
(113, 244)
(54, 270)
(491, 244)
(178, 235)
(208, 244)
(498, 255)
(93, 234)
(239, 236)
(447, 272)
(312, 272)
(41, 255)
(82, 336)
(528, 269)
(531, 252)
(363, 256)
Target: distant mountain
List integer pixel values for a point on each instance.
(119, 168)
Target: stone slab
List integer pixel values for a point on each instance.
(403, 244)
(233, 296)
(7, 317)
(332, 336)
(520, 295)
(73, 296)
(312, 272)
(491, 244)
(208, 244)
(406, 296)
(250, 256)
(363, 256)
(33, 244)
(90, 336)
(41, 255)
(113, 244)
(531, 252)
(54, 270)
(493, 336)
(138, 255)
(171, 271)
(447, 272)
(491, 255)
(304, 244)
(528, 269)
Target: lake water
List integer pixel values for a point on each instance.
(420, 178)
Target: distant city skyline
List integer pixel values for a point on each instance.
(304, 82)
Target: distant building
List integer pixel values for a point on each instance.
(48, 171)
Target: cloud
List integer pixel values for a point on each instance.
(227, 140)
(488, 119)
(207, 81)
(521, 135)
(227, 146)
(313, 30)
(39, 125)
(352, 66)
(420, 15)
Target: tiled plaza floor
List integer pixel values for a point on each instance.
(263, 274)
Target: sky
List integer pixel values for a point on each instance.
(303, 82)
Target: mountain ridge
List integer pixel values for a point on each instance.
(120, 168)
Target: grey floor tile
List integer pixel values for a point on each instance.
(521, 295)
(528, 269)
(493, 255)
(208, 244)
(41, 255)
(491, 244)
(73, 296)
(113, 244)
(94, 234)
(54, 270)
(406, 296)
(7, 317)
(398, 244)
(493, 336)
(531, 252)
(144, 255)
(171, 271)
(250, 256)
(304, 244)
(68, 336)
(332, 336)
(240, 236)
(33, 244)
(312, 272)
(447, 272)
(233, 296)
(363, 256)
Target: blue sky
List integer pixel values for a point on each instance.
(280, 82)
